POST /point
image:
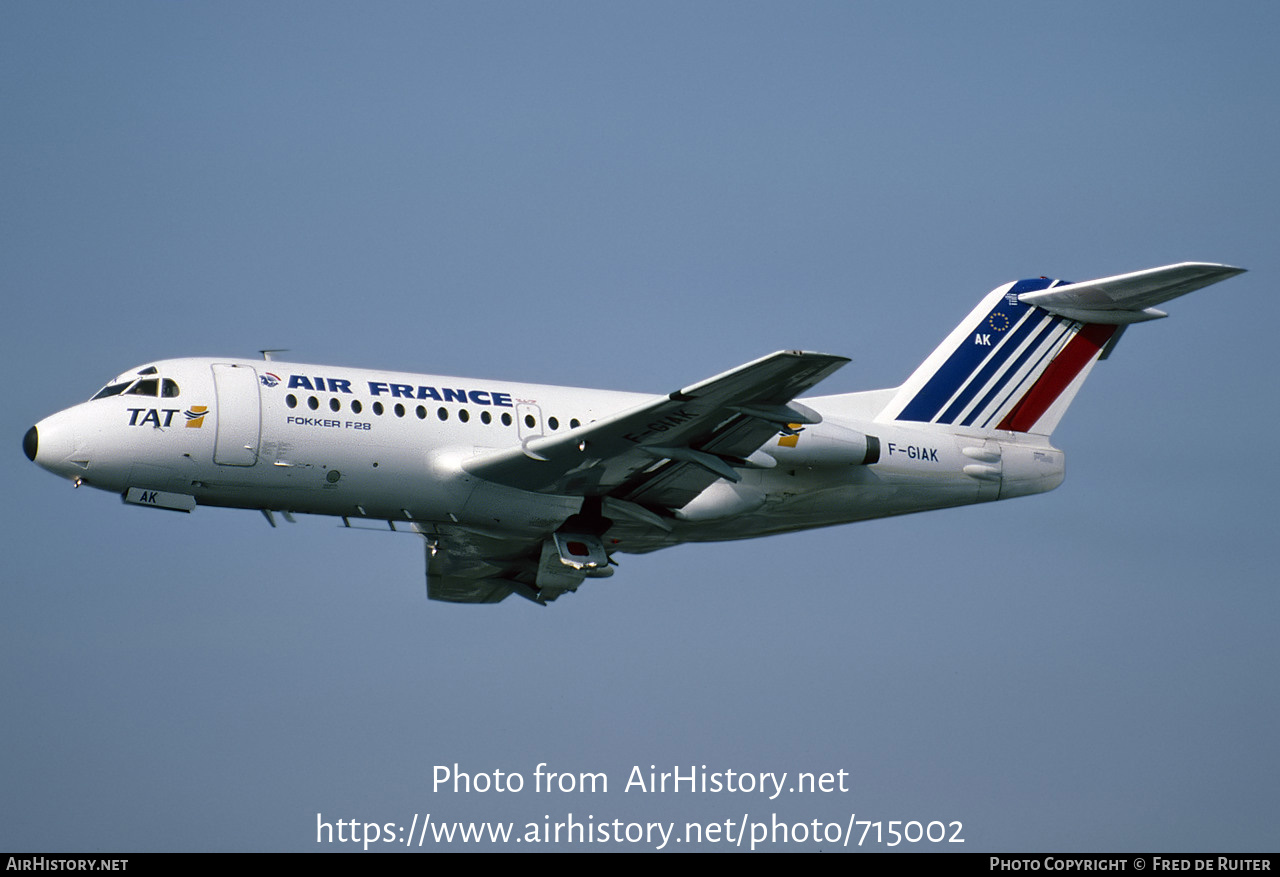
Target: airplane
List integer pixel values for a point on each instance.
(531, 490)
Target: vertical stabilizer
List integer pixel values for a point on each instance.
(1019, 358)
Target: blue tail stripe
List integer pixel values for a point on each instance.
(979, 380)
(1034, 284)
(952, 374)
(1063, 330)
(1014, 368)
(945, 381)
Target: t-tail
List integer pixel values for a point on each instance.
(1019, 358)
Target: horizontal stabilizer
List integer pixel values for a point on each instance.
(1127, 298)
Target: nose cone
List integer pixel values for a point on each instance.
(52, 444)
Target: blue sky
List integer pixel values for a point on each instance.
(638, 196)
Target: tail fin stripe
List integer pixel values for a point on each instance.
(1058, 339)
(953, 374)
(1040, 347)
(1016, 361)
(1033, 284)
(1086, 344)
(1001, 364)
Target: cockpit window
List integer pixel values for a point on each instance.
(166, 387)
(110, 390)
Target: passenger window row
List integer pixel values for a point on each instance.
(442, 413)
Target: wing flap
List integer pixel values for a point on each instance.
(465, 566)
(452, 589)
(468, 566)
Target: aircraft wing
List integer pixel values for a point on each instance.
(1128, 298)
(453, 589)
(665, 452)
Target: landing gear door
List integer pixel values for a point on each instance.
(238, 415)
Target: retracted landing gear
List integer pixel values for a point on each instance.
(575, 551)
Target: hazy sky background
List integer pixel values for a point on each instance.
(638, 196)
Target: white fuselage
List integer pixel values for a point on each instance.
(527, 489)
(392, 447)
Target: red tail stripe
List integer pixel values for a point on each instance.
(1057, 377)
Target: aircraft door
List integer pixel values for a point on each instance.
(528, 421)
(239, 415)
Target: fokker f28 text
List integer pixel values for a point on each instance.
(531, 490)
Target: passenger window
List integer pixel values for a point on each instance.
(529, 421)
(313, 403)
(574, 424)
(399, 410)
(422, 412)
(377, 408)
(553, 423)
(291, 400)
(486, 417)
(334, 404)
(442, 413)
(464, 415)
(506, 418)
(356, 406)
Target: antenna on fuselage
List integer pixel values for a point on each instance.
(266, 354)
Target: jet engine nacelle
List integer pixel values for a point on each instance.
(827, 445)
(1027, 469)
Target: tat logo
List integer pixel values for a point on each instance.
(159, 418)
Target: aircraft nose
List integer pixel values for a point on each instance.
(30, 443)
(54, 444)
